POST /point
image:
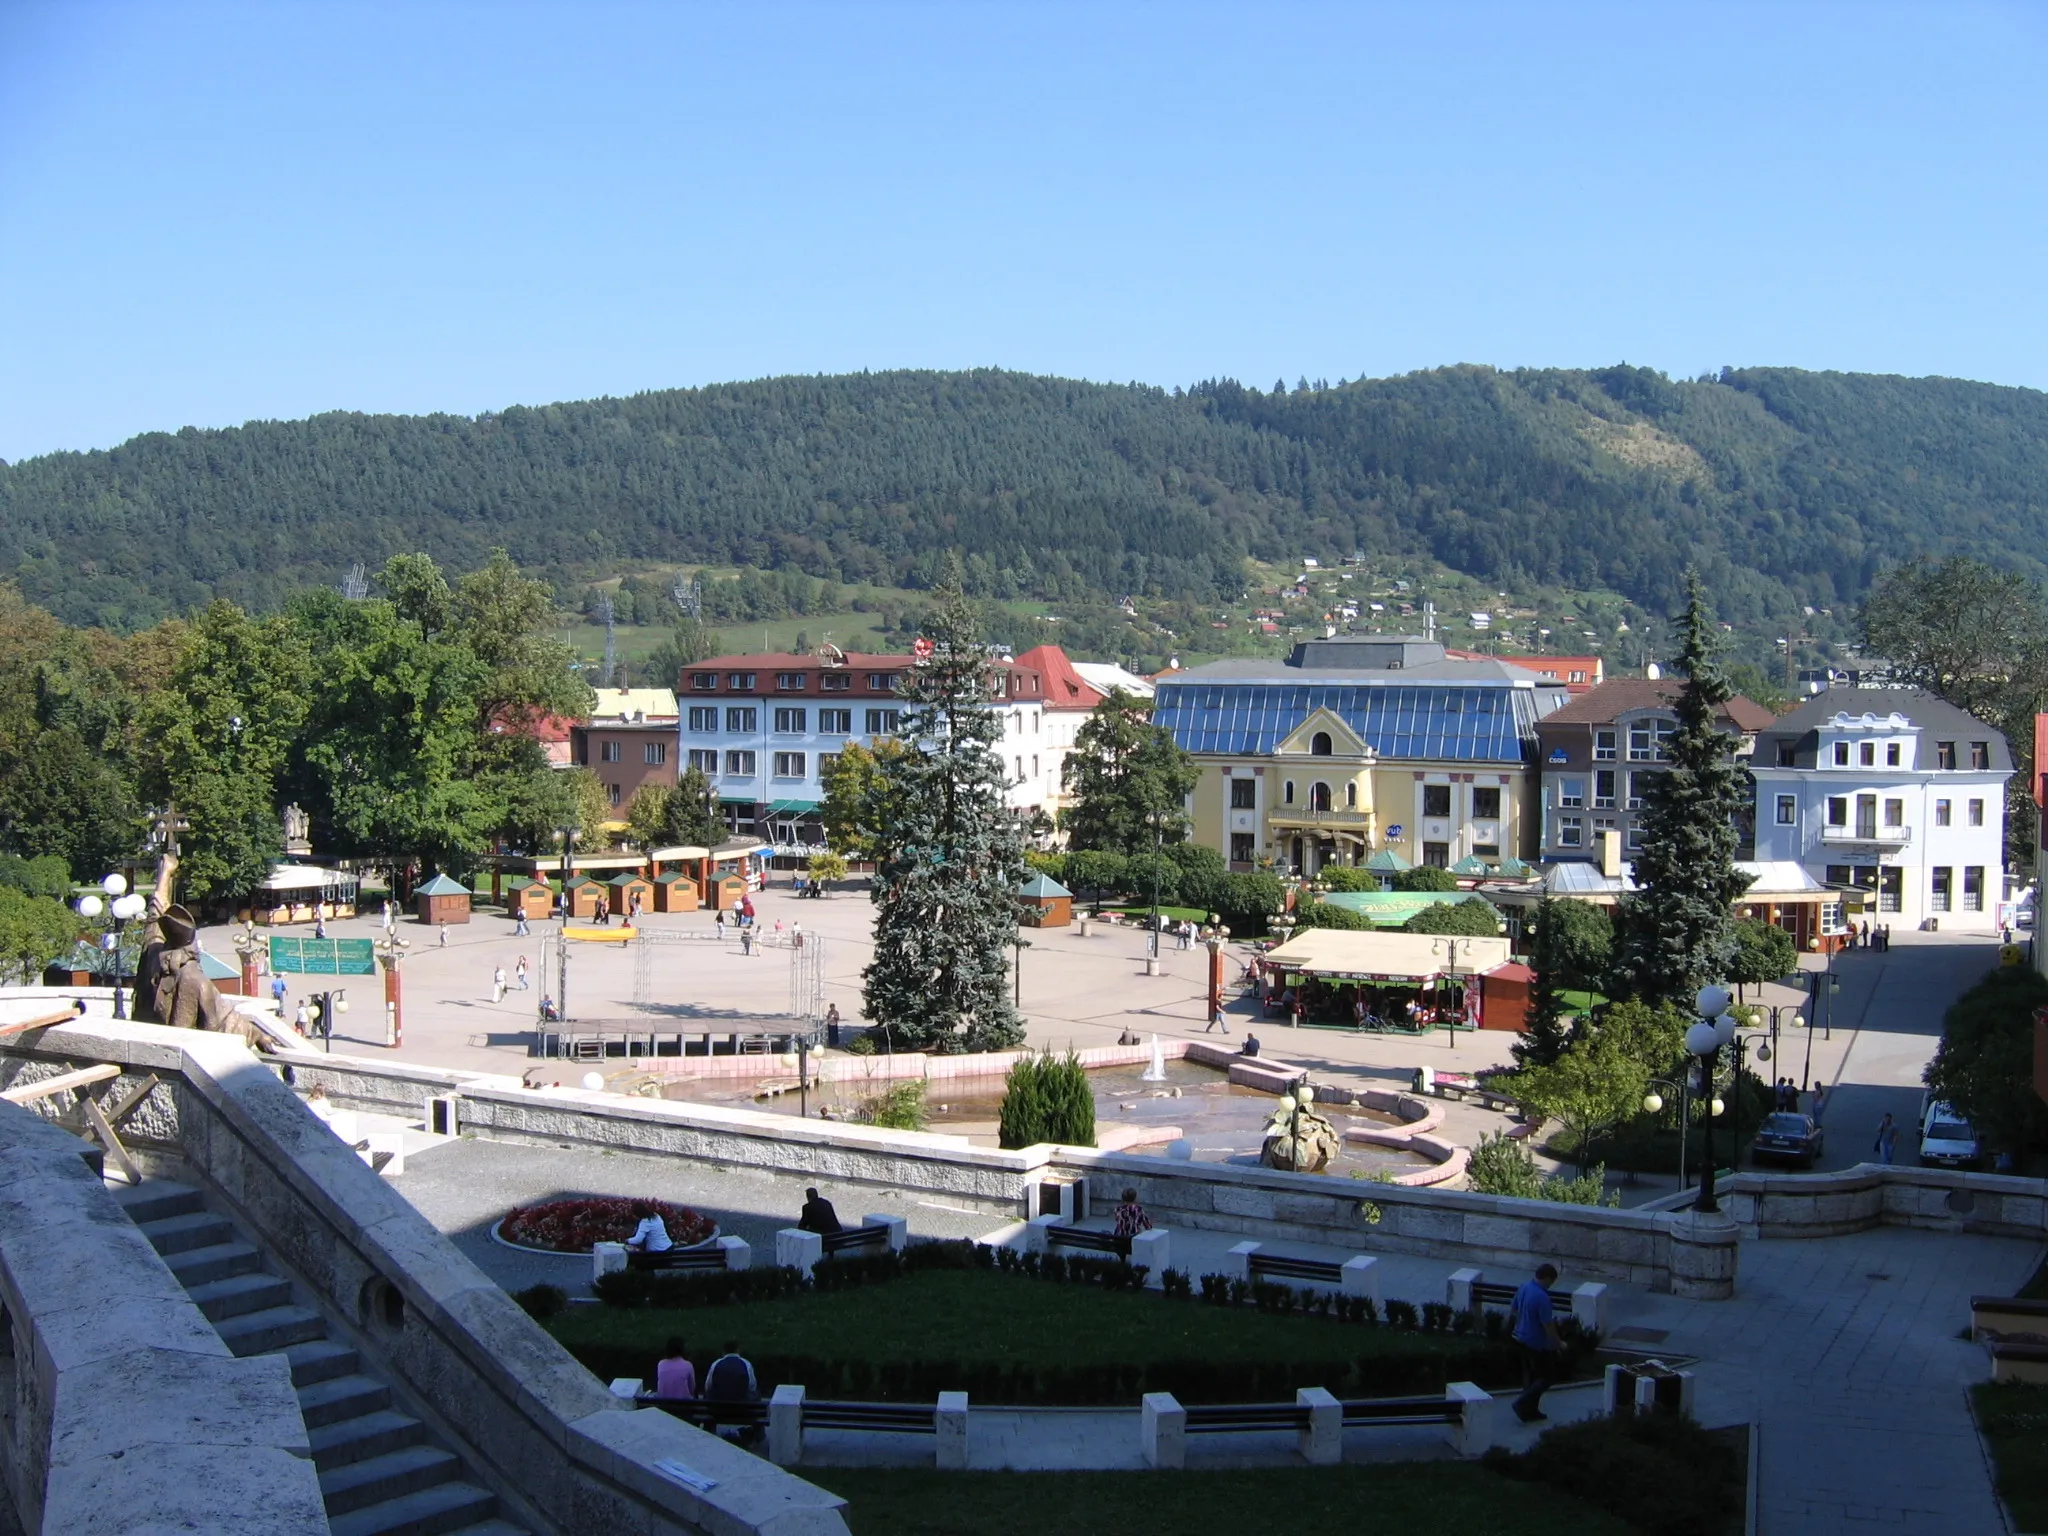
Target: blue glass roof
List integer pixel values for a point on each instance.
(1475, 724)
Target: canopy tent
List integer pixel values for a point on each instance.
(1390, 909)
(1386, 862)
(1335, 954)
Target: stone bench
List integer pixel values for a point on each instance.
(1153, 1250)
(1355, 1276)
(790, 1416)
(1468, 1290)
(1317, 1419)
(801, 1250)
(719, 1253)
(1999, 1319)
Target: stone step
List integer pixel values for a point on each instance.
(358, 1439)
(196, 1266)
(342, 1397)
(239, 1294)
(154, 1199)
(424, 1512)
(355, 1484)
(263, 1333)
(186, 1231)
(320, 1360)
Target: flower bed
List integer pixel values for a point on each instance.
(574, 1226)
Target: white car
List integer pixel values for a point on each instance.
(1946, 1138)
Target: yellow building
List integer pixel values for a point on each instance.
(1359, 744)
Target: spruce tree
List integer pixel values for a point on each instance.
(1674, 933)
(952, 855)
(1547, 1032)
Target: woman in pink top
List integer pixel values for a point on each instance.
(675, 1376)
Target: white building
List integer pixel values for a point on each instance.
(1891, 796)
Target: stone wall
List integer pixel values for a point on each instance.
(125, 1411)
(1872, 1195)
(544, 1435)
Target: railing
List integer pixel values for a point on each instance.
(1890, 837)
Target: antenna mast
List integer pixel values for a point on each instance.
(611, 639)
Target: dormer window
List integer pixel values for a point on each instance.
(1945, 756)
(1891, 754)
(1841, 754)
(1980, 755)
(1866, 754)
(1319, 744)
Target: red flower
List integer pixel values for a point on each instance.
(573, 1226)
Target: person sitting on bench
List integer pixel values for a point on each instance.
(549, 1013)
(731, 1380)
(651, 1236)
(1130, 1216)
(818, 1215)
(1250, 1046)
(674, 1376)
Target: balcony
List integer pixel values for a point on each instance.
(1303, 816)
(1867, 834)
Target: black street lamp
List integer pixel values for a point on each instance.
(1704, 1040)
(123, 906)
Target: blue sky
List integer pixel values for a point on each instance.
(211, 212)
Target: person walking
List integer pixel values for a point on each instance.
(796, 935)
(1887, 1144)
(277, 992)
(303, 1019)
(497, 983)
(519, 928)
(1217, 1021)
(746, 941)
(444, 935)
(1818, 1099)
(1534, 1331)
(319, 919)
(519, 971)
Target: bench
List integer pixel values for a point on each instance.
(801, 1250)
(791, 1416)
(1468, 1290)
(703, 1413)
(719, 1253)
(1153, 1250)
(1355, 1276)
(1316, 1418)
(1058, 1236)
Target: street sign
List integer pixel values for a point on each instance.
(322, 957)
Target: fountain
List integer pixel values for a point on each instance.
(1156, 1073)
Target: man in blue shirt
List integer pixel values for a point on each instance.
(1536, 1340)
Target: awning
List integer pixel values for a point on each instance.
(792, 807)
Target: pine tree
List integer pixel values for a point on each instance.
(1674, 933)
(952, 856)
(1547, 1032)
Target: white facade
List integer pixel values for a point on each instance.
(1901, 804)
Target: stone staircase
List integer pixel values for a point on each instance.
(381, 1471)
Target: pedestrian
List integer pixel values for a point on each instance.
(387, 914)
(1130, 1216)
(302, 1020)
(1217, 1021)
(1300, 1011)
(832, 1025)
(674, 1376)
(1818, 1099)
(1887, 937)
(746, 941)
(1534, 1331)
(444, 935)
(719, 918)
(277, 992)
(497, 983)
(817, 1215)
(1887, 1140)
(519, 970)
(796, 935)
(319, 919)
(519, 928)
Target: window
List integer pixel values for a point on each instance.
(1945, 758)
(739, 682)
(742, 722)
(1838, 810)
(704, 760)
(1603, 746)
(789, 765)
(835, 722)
(883, 722)
(1486, 850)
(655, 752)
(1319, 744)
(1020, 771)
(1973, 887)
(1319, 797)
(704, 717)
(1866, 754)
(1980, 755)
(1436, 799)
(611, 793)
(1570, 792)
(827, 762)
(1642, 742)
(608, 752)
(1244, 794)
(704, 682)
(1941, 813)
(1891, 760)
(739, 762)
(1633, 841)
(1841, 754)
(1891, 889)
(1788, 810)
(1603, 789)
(1571, 831)
(1244, 847)
(1866, 815)
(1895, 813)
(1976, 813)
(1840, 874)
(1637, 783)
(790, 682)
(1486, 804)
(1788, 754)
(1287, 793)
(881, 682)
(791, 722)
(1437, 855)
(1351, 797)
(834, 682)
(1941, 875)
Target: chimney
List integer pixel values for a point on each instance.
(1610, 852)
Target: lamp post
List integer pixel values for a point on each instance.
(1820, 984)
(1158, 858)
(1020, 943)
(562, 939)
(1214, 936)
(1653, 1103)
(325, 1006)
(123, 906)
(391, 949)
(1704, 1040)
(1449, 949)
(247, 947)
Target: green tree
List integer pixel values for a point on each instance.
(1593, 1085)
(1584, 939)
(1672, 932)
(1323, 914)
(826, 867)
(1763, 952)
(44, 876)
(856, 808)
(1473, 917)
(689, 642)
(952, 854)
(1097, 873)
(694, 817)
(1548, 1030)
(1047, 1100)
(1130, 781)
(1984, 1065)
(647, 815)
(1425, 877)
(34, 930)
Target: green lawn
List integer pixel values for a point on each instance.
(1027, 1340)
(1173, 914)
(1421, 1496)
(2014, 1418)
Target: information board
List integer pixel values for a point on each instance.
(322, 957)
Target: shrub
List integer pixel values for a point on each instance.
(1245, 901)
(1425, 877)
(899, 1107)
(1321, 914)
(1473, 917)
(1984, 1064)
(1501, 1166)
(542, 1302)
(1402, 1314)
(672, 1290)
(1047, 1098)
(1656, 1471)
(1345, 877)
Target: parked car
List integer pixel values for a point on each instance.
(1793, 1138)
(1947, 1139)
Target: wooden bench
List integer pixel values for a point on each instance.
(878, 1418)
(1277, 1266)
(712, 1257)
(1386, 1411)
(1355, 1276)
(705, 1413)
(1468, 1290)
(1315, 1418)
(1086, 1240)
(1244, 1418)
(800, 1250)
(853, 1239)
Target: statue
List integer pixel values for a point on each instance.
(172, 987)
(1298, 1140)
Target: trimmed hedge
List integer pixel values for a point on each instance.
(1656, 1471)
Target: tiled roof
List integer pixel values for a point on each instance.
(1622, 695)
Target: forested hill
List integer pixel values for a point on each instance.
(1784, 486)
